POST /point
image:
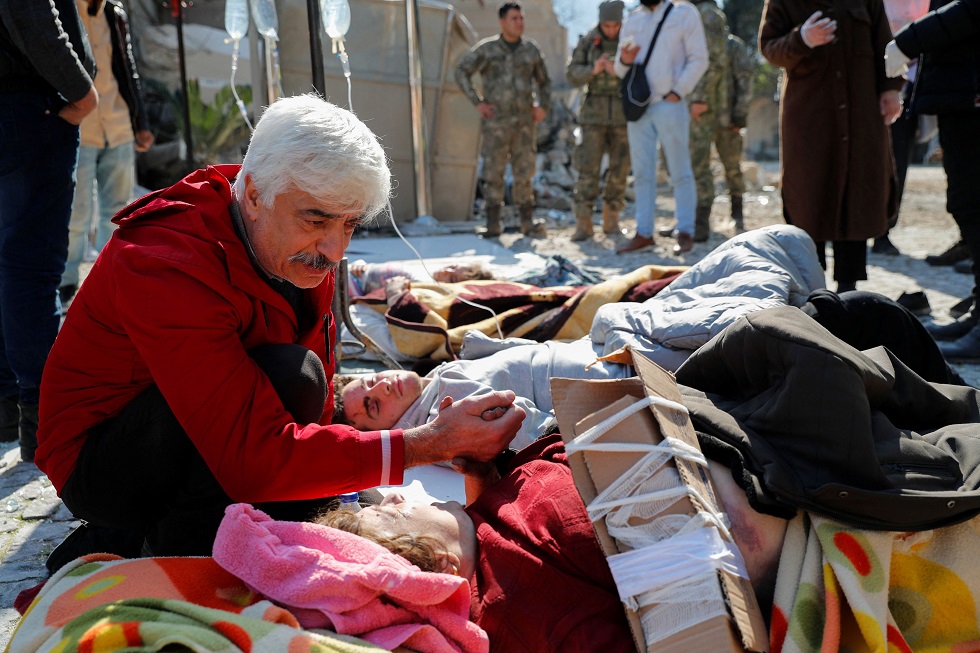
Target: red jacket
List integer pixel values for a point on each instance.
(173, 300)
(542, 582)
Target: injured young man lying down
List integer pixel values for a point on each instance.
(540, 582)
(850, 484)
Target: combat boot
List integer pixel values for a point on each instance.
(583, 224)
(610, 220)
(702, 218)
(529, 227)
(494, 226)
(28, 432)
(737, 216)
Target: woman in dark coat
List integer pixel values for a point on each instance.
(838, 173)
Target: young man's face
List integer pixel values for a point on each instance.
(378, 401)
(512, 24)
(297, 237)
(610, 29)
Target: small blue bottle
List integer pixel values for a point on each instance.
(348, 501)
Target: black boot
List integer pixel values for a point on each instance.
(702, 223)
(28, 432)
(957, 252)
(9, 419)
(954, 330)
(966, 348)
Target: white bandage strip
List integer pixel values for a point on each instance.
(674, 566)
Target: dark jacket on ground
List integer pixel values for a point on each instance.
(806, 421)
(947, 42)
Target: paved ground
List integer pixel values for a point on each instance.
(33, 520)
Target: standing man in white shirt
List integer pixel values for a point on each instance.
(680, 58)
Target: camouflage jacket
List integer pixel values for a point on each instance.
(601, 104)
(742, 67)
(509, 77)
(713, 87)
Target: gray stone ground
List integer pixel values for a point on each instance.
(33, 520)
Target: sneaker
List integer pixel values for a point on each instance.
(957, 252)
(883, 245)
(916, 302)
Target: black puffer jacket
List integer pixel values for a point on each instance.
(806, 421)
(947, 42)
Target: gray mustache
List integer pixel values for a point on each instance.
(316, 261)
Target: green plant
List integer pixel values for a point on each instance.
(217, 126)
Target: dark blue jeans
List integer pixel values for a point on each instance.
(38, 154)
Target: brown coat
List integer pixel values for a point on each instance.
(838, 173)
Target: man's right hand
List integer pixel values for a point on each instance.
(461, 430)
(75, 112)
(486, 110)
(603, 65)
(627, 54)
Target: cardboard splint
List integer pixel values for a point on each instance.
(580, 405)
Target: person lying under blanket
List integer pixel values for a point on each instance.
(540, 581)
(403, 399)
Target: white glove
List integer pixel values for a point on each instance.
(896, 63)
(818, 30)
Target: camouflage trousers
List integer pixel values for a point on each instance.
(702, 134)
(597, 140)
(729, 144)
(514, 142)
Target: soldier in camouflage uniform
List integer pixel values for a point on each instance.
(602, 121)
(709, 103)
(510, 67)
(728, 139)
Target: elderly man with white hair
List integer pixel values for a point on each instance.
(193, 368)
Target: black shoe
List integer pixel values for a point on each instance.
(916, 302)
(966, 348)
(964, 267)
(883, 245)
(957, 252)
(9, 419)
(961, 307)
(666, 232)
(66, 293)
(954, 330)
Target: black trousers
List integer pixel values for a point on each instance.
(959, 136)
(139, 475)
(850, 259)
(866, 319)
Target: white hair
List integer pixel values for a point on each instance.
(321, 149)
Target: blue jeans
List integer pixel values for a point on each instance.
(38, 153)
(669, 124)
(111, 172)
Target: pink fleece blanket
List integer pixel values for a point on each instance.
(333, 579)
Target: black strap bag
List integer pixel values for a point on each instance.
(634, 90)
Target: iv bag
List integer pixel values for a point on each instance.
(236, 18)
(266, 18)
(336, 17)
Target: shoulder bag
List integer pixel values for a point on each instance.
(634, 89)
